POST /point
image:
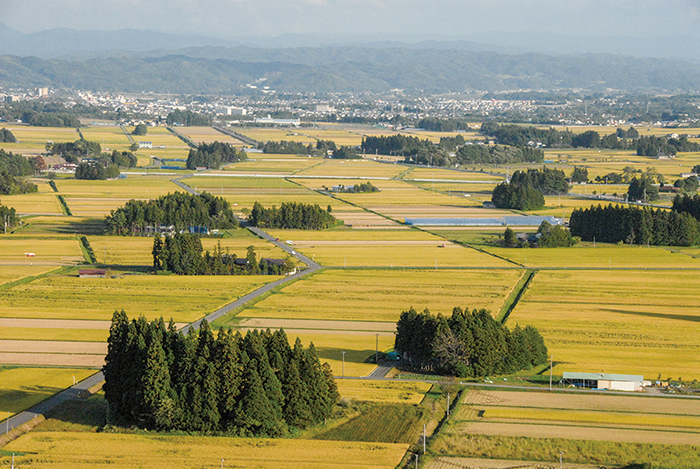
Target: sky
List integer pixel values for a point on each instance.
(231, 19)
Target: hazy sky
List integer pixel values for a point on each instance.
(234, 18)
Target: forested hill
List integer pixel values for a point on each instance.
(345, 69)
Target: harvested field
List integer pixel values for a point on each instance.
(306, 324)
(52, 359)
(39, 346)
(474, 463)
(49, 450)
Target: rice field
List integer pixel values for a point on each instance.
(109, 137)
(208, 135)
(21, 388)
(270, 134)
(286, 164)
(47, 250)
(32, 140)
(41, 203)
(382, 294)
(634, 322)
(132, 187)
(353, 168)
(48, 450)
(70, 297)
(382, 391)
(10, 273)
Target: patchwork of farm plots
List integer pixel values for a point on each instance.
(32, 140)
(635, 322)
(633, 428)
(208, 135)
(277, 164)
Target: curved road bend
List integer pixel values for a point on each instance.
(74, 391)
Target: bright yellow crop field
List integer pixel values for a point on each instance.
(214, 184)
(265, 134)
(358, 347)
(208, 135)
(340, 137)
(109, 138)
(601, 256)
(42, 203)
(382, 294)
(446, 174)
(49, 334)
(36, 137)
(21, 388)
(132, 187)
(10, 273)
(382, 391)
(353, 235)
(600, 418)
(635, 321)
(245, 198)
(288, 165)
(47, 249)
(128, 250)
(353, 168)
(53, 450)
(70, 297)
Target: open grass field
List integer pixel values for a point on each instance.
(636, 322)
(48, 250)
(70, 297)
(382, 294)
(21, 388)
(49, 450)
(386, 392)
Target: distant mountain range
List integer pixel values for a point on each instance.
(135, 61)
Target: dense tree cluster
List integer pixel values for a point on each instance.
(286, 148)
(346, 153)
(400, 145)
(634, 225)
(654, 146)
(43, 119)
(6, 136)
(451, 143)
(15, 165)
(212, 155)
(123, 159)
(548, 181)
(437, 124)
(517, 196)
(96, 170)
(183, 254)
(555, 236)
(291, 216)
(687, 204)
(468, 343)
(689, 184)
(181, 210)
(643, 189)
(8, 218)
(498, 154)
(252, 385)
(187, 118)
(518, 135)
(579, 174)
(140, 129)
(325, 146)
(73, 152)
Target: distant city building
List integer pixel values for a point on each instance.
(270, 120)
(12, 99)
(324, 108)
(42, 92)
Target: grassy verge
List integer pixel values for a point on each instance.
(64, 206)
(88, 253)
(31, 278)
(515, 295)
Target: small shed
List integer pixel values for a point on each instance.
(489, 204)
(611, 382)
(92, 273)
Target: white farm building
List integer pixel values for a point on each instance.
(604, 381)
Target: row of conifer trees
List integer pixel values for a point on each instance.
(252, 385)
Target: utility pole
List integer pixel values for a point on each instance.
(222, 464)
(448, 405)
(416, 460)
(560, 461)
(424, 438)
(343, 364)
(551, 363)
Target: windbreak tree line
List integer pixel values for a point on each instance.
(96, 170)
(498, 154)
(73, 152)
(8, 218)
(291, 216)
(526, 190)
(187, 118)
(180, 210)
(284, 147)
(252, 385)
(213, 155)
(12, 167)
(687, 204)
(634, 225)
(183, 254)
(466, 344)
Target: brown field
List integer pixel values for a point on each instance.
(474, 463)
(52, 359)
(53, 346)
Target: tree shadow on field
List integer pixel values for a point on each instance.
(676, 317)
(18, 400)
(351, 356)
(90, 226)
(77, 415)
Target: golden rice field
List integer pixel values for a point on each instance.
(48, 250)
(246, 198)
(270, 134)
(603, 256)
(41, 203)
(213, 184)
(70, 297)
(32, 140)
(49, 450)
(132, 187)
(382, 391)
(109, 138)
(635, 322)
(339, 136)
(382, 294)
(307, 236)
(59, 334)
(10, 273)
(448, 175)
(136, 250)
(353, 168)
(21, 388)
(284, 164)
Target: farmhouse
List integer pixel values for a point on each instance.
(604, 381)
(145, 144)
(92, 273)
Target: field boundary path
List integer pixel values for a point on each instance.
(234, 134)
(128, 135)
